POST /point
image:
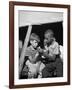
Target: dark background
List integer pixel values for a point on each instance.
(57, 28)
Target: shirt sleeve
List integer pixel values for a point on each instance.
(28, 52)
(54, 49)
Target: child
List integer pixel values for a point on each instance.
(54, 66)
(33, 62)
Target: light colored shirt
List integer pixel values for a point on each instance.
(61, 52)
(53, 49)
(35, 68)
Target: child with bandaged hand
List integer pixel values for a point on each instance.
(33, 63)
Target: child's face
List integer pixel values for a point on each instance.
(34, 43)
(48, 37)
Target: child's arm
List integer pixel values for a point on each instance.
(53, 51)
(40, 50)
(46, 55)
(34, 58)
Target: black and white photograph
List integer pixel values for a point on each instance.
(39, 45)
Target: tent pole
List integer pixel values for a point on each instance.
(21, 61)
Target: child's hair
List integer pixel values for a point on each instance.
(34, 37)
(49, 31)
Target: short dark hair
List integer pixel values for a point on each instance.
(49, 31)
(34, 37)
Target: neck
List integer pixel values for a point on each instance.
(51, 42)
(33, 47)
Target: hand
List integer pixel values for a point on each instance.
(43, 57)
(40, 49)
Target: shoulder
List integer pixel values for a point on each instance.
(28, 48)
(28, 51)
(55, 44)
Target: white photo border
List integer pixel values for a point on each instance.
(17, 81)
